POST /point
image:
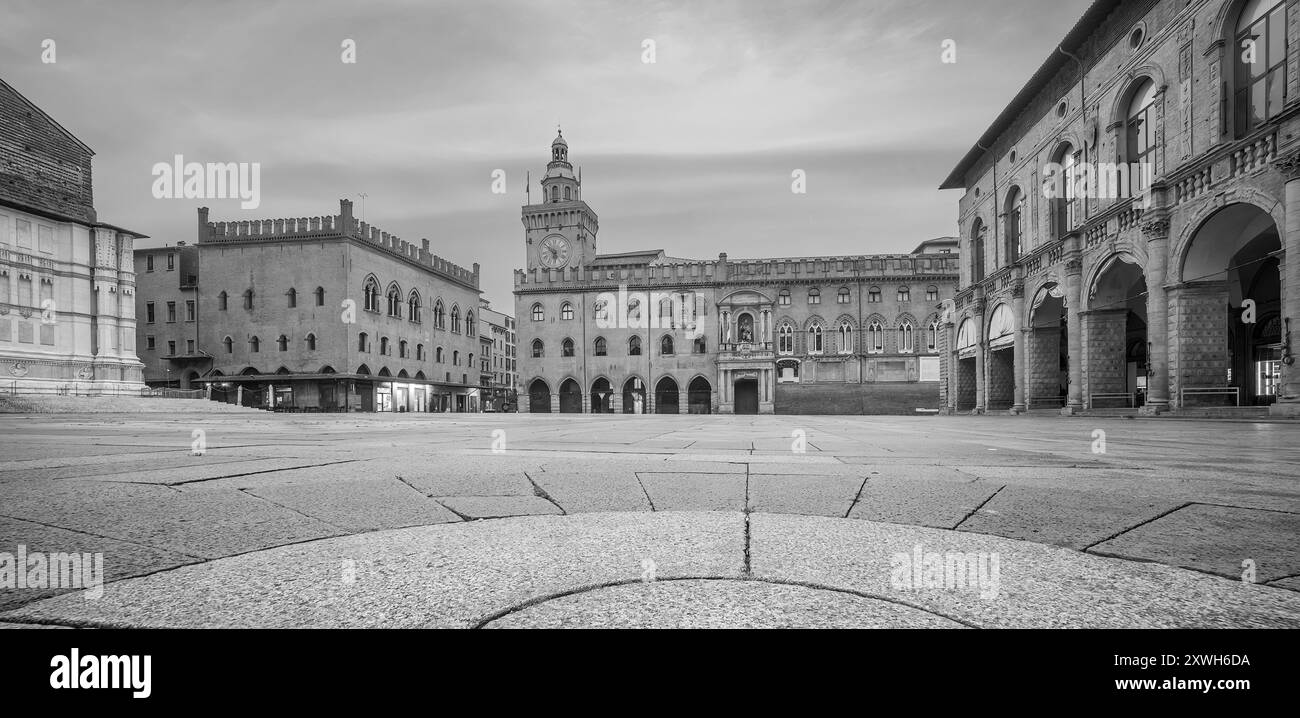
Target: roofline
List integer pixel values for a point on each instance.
(1040, 79)
(46, 115)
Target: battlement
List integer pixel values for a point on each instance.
(342, 225)
(793, 270)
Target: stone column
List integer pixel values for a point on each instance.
(1019, 360)
(586, 403)
(1288, 399)
(683, 400)
(1157, 234)
(555, 403)
(1074, 317)
(981, 369)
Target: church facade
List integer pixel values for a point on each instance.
(1126, 222)
(646, 332)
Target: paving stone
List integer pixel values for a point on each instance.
(1216, 539)
(1063, 517)
(358, 504)
(491, 507)
(810, 495)
(695, 492)
(942, 504)
(718, 604)
(610, 490)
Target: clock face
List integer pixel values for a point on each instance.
(554, 252)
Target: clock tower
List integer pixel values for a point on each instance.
(560, 229)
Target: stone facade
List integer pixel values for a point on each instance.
(1175, 291)
(67, 286)
(644, 332)
(322, 313)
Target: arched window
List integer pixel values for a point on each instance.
(469, 361)
(874, 296)
(248, 299)
(600, 312)
(394, 301)
(1062, 189)
(363, 342)
(932, 338)
(419, 352)
(320, 296)
(931, 293)
(875, 338)
(221, 301)
(455, 319)
(904, 294)
(699, 346)
(814, 296)
(413, 307)
(977, 251)
(844, 296)
(537, 348)
(538, 313)
(230, 345)
(555, 194)
(401, 349)
(815, 339)
(292, 297)
(1261, 58)
(437, 355)
(371, 292)
(439, 315)
(1140, 134)
(601, 349)
(383, 346)
(906, 338)
(254, 345)
(634, 347)
(311, 342)
(566, 311)
(566, 348)
(634, 311)
(666, 317)
(785, 339)
(1015, 224)
(666, 346)
(455, 358)
(784, 298)
(566, 194)
(471, 329)
(846, 337)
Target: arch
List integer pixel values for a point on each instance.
(1120, 103)
(363, 369)
(666, 347)
(420, 375)
(413, 305)
(634, 395)
(600, 347)
(570, 397)
(1250, 197)
(566, 310)
(311, 342)
(699, 396)
(538, 313)
(977, 251)
(401, 374)
(634, 346)
(383, 371)
(327, 369)
(538, 349)
(439, 314)
(292, 296)
(250, 371)
(229, 343)
(539, 397)
(1106, 264)
(666, 396)
(1002, 326)
(967, 335)
(455, 318)
(320, 296)
(602, 396)
(370, 290)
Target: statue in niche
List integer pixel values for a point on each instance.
(745, 329)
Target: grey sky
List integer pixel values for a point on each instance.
(692, 154)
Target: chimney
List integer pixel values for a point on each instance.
(345, 216)
(721, 274)
(203, 223)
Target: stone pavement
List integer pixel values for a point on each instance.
(708, 521)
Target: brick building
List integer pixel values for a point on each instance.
(502, 380)
(67, 304)
(644, 332)
(312, 313)
(1160, 278)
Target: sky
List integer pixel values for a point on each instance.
(692, 153)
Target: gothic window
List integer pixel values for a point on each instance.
(439, 315)
(601, 349)
(292, 296)
(471, 329)
(455, 319)
(875, 338)
(363, 342)
(394, 301)
(846, 338)
(566, 348)
(537, 348)
(815, 339)
(538, 313)
(699, 346)
(785, 339)
(248, 300)
(843, 296)
(413, 307)
(906, 339)
(666, 346)
(566, 311)
(401, 349)
(222, 300)
(254, 345)
(371, 292)
(320, 296)
(932, 338)
(230, 345)
(311, 342)
(283, 343)
(634, 347)
(383, 346)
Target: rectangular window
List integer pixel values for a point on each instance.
(171, 262)
(171, 311)
(24, 233)
(171, 348)
(932, 295)
(4, 230)
(189, 346)
(148, 313)
(189, 310)
(149, 343)
(148, 263)
(46, 238)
